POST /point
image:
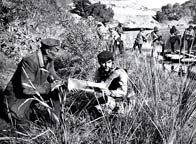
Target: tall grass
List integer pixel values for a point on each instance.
(153, 115)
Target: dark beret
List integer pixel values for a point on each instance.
(50, 42)
(105, 56)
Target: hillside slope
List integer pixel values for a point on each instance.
(131, 13)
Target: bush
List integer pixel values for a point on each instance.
(98, 11)
(176, 11)
(79, 37)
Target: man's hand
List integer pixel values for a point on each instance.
(56, 84)
(107, 92)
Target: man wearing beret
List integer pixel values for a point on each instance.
(115, 79)
(34, 76)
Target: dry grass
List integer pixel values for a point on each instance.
(153, 118)
(152, 115)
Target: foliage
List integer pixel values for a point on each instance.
(43, 19)
(97, 10)
(152, 115)
(176, 11)
(101, 13)
(82, 7)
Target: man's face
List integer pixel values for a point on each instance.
(52, 52)
(107, 65)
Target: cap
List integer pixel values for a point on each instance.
(105, 56)
(50, 42)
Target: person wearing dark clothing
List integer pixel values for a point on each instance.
(174, 37)
(119, 30)
(34, 77)
(114, 40)
(188, 38)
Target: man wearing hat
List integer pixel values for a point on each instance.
(114, 77)
(34, 76)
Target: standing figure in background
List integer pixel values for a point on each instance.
(140, 39)
(114, 39)
(188, 38)
(119, 30)
(99, 31)
(157, 41)
(174, 37)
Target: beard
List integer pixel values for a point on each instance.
(104, 74)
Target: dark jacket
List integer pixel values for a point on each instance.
(30, 76)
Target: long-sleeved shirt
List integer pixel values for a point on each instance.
(116, 81)
(31, 72)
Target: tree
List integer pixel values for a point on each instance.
(159, 16)
(167, 9)
(176, 7)
(99, 11)
(82, 7)
(187, 11)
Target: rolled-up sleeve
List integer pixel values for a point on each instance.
(121, 91)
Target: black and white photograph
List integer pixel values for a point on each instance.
(97, 71)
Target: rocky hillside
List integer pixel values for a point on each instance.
(131, 13)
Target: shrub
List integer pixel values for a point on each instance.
(97, 10)
(176, 11)
(79, 37)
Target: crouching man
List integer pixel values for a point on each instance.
(114, 78)
(34, 77)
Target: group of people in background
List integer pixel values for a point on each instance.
(113, 37)
(184, 41)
